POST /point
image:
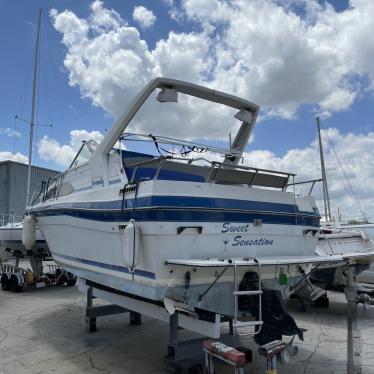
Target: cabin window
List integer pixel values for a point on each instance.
(83, 155)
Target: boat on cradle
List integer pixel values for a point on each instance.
(368, 228)
(343, 238)
(181, 231)
(336, 239)
(333, 241)
(11, 226)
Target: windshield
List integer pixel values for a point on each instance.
(84, 154)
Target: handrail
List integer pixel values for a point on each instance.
(10, 218)
(51, 186)
(304, 182)
(249, 168)
(214, 165)
(313, 181)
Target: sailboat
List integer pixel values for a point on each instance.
(335, 239)
(12, 240)
(11, 232)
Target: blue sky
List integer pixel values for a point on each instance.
(305, 61)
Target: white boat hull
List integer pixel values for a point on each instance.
(93, 250)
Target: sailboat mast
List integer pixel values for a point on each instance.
(326, 197)
(34, 87)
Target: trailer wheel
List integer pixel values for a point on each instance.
(4, 282)
(13, 284)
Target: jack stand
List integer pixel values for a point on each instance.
(353, 339)
(229, 355)
(92, 312)
(187, 356)
(182, 357)
(271, 351)
(135, 319)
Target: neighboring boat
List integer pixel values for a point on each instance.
(12, 243)
(179, 230)
(368, 228)
(11, 240)
(334, 239)
(11, 231)
(366, 278)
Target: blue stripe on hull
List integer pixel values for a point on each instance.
(181, 215)
(182, 208)
(186, 202)
(122, 269)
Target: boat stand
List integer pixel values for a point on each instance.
(187, 356)
(92, 312)
(355, 294)
(228, 355)
(182, 356)
(271, 351)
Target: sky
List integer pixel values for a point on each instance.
(295, 58)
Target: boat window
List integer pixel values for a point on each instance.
(83, 155)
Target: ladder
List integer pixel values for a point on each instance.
(236, 293)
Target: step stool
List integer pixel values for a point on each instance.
(231, 356)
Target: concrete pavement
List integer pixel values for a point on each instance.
(43, 331)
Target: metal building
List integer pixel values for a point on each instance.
(13, 180)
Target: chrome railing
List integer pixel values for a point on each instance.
(312, 182)
(9, 219)
(213, 165)
(49, 188)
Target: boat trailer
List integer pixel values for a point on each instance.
(16, 276)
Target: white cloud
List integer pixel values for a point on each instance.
(17, 157)
(143, 16)
(262, 50)
(108, 67)
(10, 132)
(63, 154)
(102, 19)
(354, 160)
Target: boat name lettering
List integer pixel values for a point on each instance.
(228, 227)
(238, 241)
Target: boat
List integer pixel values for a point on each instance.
(367, 227)
(178, 229)
(11, 232)
(11, 241)
(40, 271)
(337, 239)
